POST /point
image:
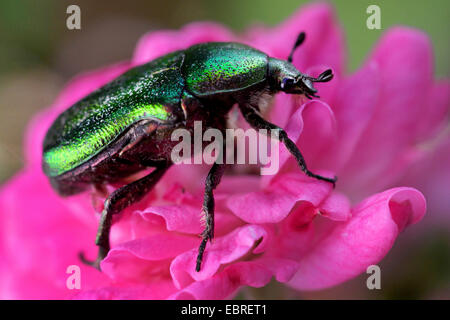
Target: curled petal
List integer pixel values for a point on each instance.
(350, 247)
(337, 207)
(223, 250)
(249, 273)
(273, 204)
(318, 135)
(432, 176)
(182, 218)
(144, 259)
(313, 128)
(231, 279)
(186, 218)
(282, 269)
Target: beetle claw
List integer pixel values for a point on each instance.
(95, 263)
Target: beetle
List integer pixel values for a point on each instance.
(125, 126)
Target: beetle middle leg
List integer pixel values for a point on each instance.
(258, 122)
(212, 181)
(116, 202)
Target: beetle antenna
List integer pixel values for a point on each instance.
(325, 76)
(300, 39)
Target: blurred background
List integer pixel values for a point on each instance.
(38, 55)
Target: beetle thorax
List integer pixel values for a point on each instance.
(280, 70)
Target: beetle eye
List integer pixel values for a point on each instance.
(286, 82)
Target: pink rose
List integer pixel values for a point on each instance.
(372, 129)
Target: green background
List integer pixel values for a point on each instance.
(31, 31)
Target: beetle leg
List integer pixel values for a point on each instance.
(116, 202)
(258, 122)
(212, 181)
(137, 135)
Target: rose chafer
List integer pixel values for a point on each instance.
(125, 126)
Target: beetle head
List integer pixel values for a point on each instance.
(283, 76)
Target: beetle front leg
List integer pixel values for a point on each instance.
(116, 202)
(258, 122)
(212, 181)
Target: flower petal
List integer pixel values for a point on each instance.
(153, 291)
(432, 176)
(353, 106)
(435, 117)
(155, 44)
(223, 250)
(273, 204)
(324, 41)
(41, 238)
(337, 207)
(225, 284)
(187, 219)
(364, 240)
(313, 129)
(401, 102)
(145, 260)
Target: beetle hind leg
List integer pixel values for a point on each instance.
(116, 202)
(212, 181)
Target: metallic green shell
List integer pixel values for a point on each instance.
(218, 67)
(86, 128)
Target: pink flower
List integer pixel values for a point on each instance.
(374, 129)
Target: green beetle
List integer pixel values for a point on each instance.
(126, 126)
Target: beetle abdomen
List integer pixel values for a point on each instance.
(219, 67)
(90, 125)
